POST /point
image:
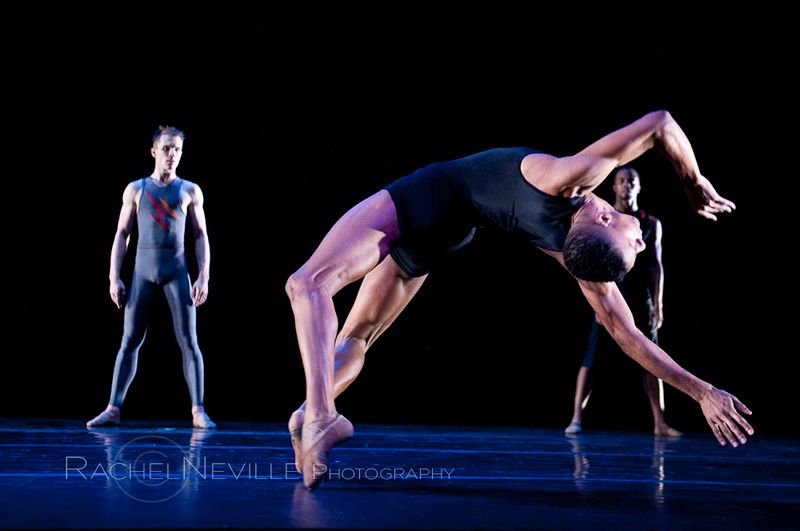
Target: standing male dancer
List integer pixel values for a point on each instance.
(393, 238)
(160, 203)
(643, 289)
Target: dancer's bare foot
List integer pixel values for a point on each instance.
(573, 428)
(663, 430)
(109, 417)
(295, 432)
(319, 437)
(201, 420)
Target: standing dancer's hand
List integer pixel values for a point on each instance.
(117, 292)
(200, 291)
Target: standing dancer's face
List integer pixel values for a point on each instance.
(167, 151)
(627, 186)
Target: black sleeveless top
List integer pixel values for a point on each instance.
(492, 182)
(439, 206)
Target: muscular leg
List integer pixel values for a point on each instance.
(137, 312)
(654, 389)
(583, 389)
(184, 322)
(384, 293)
(354, 246)
(583, 384)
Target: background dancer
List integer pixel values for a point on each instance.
(643, 289)
(160, 203)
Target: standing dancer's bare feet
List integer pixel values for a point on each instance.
(109, 417)
(319, 437)
(573, 428)
(201, 420)
(664, 430)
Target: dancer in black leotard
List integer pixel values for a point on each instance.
(392, 238)
(643, 289)
(439, 207)
(161, 204)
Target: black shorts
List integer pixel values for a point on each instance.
(433, 218)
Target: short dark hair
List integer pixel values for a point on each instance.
(589, 257)
(169, 131)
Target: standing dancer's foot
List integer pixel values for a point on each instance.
(574, 428)
(201, 420)
(664, 430)
(109, 417)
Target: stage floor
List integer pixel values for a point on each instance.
(58, 474)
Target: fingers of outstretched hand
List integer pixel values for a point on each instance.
(731, 432)
(731, 429)
(725, 205)
(722, 414)
(741, 407)
(706, 200)
(707, 215)
(726, 432)
(718, 205)
(740, 420)
(716, 431)
(713, 208)
(722, 207)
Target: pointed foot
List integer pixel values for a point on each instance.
(318, 438)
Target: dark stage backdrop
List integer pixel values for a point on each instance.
(294, 117)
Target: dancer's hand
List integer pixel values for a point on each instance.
(656, 318)
(723, 413)
(200, 290)
(117, 291)
(705, 200)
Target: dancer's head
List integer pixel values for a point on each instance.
(167, 148)
(167, 130)
(602, 244)
(627, 186)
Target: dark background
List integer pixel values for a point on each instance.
(292, 117)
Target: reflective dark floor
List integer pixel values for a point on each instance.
(57, 474)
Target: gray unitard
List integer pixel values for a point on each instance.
(160, 265)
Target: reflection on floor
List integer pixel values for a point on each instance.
(58, 474)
